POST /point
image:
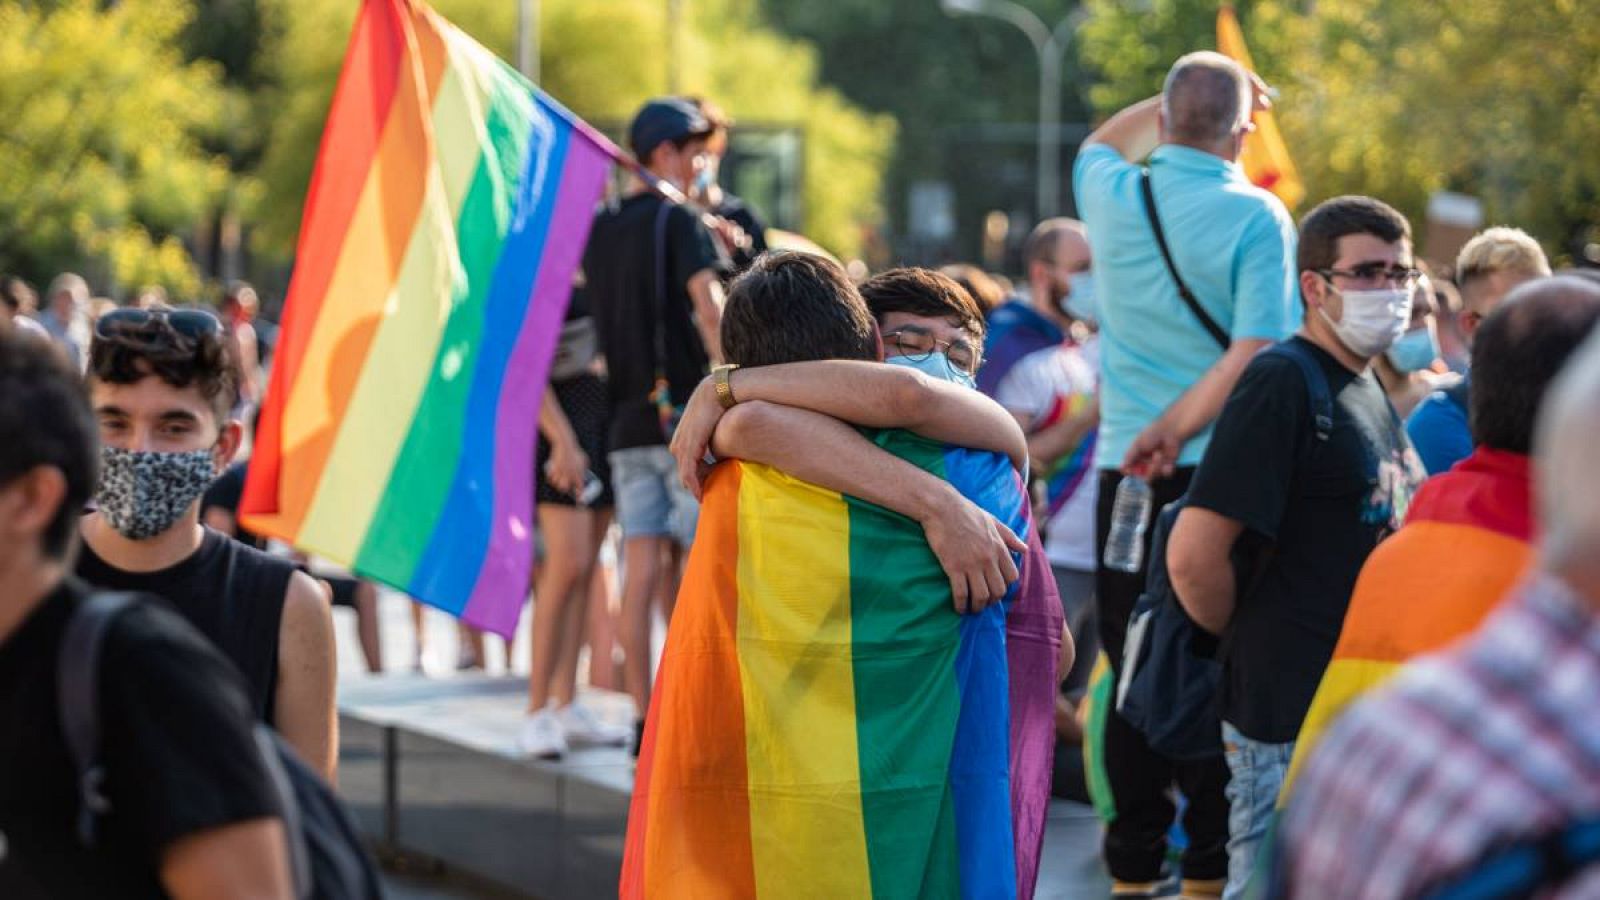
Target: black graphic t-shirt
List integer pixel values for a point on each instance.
(1312, 512)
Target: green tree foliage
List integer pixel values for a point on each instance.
(602, 60)
(1399, 98)
(944, 79)
(104, 126)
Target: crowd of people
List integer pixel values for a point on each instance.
(1367, 474)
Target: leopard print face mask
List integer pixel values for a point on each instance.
(142, 493)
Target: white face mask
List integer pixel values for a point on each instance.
(1372, 320)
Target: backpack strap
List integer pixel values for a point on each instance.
(293, 824)
(78, 698)
(1317, 392)
(1209, 324)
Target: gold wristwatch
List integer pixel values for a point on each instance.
(719, 376)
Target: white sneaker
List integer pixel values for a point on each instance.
(542, 736)
(583, 726)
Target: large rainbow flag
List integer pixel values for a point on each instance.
(446, 216)
(1466, 543)
(824, 724)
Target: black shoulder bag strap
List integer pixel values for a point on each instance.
(1210, 324)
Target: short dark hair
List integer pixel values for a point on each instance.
(1332, 219)
(14, 292)
(46, 420)
(979, 285)
(1518, 351)
(922, 292)
(156, 348)
(795, 307)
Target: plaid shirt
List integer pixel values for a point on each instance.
(1495, 739)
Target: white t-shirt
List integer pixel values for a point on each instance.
(1046, 386)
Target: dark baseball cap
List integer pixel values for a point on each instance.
(664, 119)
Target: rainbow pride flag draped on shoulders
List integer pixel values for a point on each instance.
(1466, 543)
(824, 724)
(446, 216)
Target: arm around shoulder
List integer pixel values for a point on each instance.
(305, 713)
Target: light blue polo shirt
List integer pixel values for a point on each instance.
(1234, 244)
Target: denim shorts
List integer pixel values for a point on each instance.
(651, 500)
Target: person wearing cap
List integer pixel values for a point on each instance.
(652, 272)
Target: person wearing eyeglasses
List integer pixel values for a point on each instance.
(820, 365)
(1308, 469)
(791, 415)
(162, 386)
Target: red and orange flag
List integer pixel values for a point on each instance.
(1265, 158)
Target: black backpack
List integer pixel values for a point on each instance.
(326, 856)
(1170, 685)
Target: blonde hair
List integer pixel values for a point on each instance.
(1501, 249)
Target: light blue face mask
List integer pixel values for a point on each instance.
(703, 180)
(1415, 350)
(935, 365)
(1082, 304)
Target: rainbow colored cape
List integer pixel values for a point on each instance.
(824, 724)
(1465, 544)
(446, 216)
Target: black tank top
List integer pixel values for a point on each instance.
(231, 593)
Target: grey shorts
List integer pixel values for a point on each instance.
(651, 500)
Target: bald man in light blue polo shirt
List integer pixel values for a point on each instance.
(1164, 379)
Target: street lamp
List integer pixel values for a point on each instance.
(1048, 44)
(528, 39)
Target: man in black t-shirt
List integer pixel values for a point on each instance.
(1301, 509)
(162, 388)
(192, 810)
(651, 269)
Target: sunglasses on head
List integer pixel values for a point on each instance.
(196, 324)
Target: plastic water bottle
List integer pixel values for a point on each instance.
(1130, 515)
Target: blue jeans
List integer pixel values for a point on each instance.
(1257, 769)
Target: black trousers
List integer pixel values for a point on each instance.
(1136, 841)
